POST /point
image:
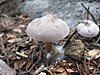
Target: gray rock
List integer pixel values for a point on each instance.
(68, 10)
(5, 69)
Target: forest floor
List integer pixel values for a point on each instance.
(20, 56)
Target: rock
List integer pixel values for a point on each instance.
(75, 47)
(5, 69)
(68, 10)
(34, 8)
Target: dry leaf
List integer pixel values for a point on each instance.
(52, 69)
(93, 54)
(69, 70)
(60, 69)
(62, 63)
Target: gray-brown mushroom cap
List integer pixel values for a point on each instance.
(48, 29)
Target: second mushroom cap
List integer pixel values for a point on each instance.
(88, 28)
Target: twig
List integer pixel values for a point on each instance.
(89, 13)
(41, 68)
(78, 68)
(94, 72)
(48, 71)
(86, 67)
(98, 39)
(69, 39)
(24, 72)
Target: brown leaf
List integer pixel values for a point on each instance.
(69, 70)
(60, 69)
(94, 53)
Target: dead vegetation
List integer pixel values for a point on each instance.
(25, 57)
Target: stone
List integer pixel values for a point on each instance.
(68, 10)
(75, 47)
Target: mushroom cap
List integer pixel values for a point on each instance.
(48, 29)
(88, 28)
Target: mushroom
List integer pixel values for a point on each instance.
(48, 29)
(88, 28)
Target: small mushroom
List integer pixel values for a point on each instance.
(47, 29)
(88, 28)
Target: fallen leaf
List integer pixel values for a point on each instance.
(69, 70)
(60, 69)
(94, 53)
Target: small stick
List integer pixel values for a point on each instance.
(98, 39)
(78, 68)
(89, 13)
(69, 39)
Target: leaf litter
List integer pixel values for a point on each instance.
(20, 56)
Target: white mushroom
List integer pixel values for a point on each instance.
(48, 29)
(88, 28)
(42, 73)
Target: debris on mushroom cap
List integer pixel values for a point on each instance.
(48, 29)
(88, 28)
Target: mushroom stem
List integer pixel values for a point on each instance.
(48, 46)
